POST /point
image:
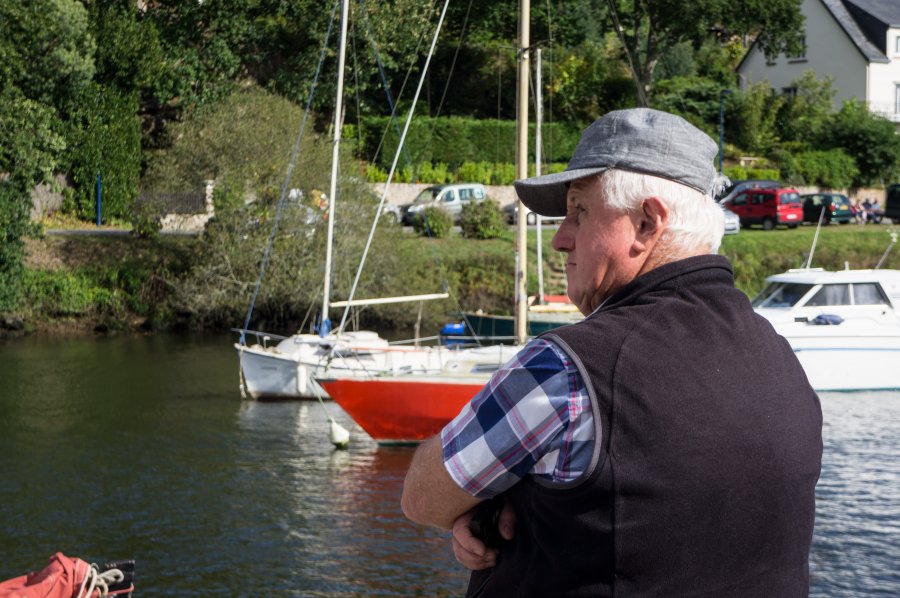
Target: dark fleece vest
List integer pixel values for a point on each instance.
(708, 449)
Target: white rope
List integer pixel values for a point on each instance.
(100, 582)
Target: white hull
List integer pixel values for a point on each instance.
(289, 369)
(854, 355)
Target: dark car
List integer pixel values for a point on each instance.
(892, 203)
(511, 214)
(837, 208)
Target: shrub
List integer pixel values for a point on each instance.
(433, 222)
(482, 220)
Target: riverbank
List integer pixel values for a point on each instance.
(86, 284)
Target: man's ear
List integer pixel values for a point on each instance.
(653, 219)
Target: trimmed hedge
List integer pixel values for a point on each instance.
(454, 140)
(486, 173)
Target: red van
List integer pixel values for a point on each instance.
(768, 207)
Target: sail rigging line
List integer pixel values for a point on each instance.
(412, 65)
(384, 84)
(394, 164)
(621, 33)
(287, 177)
(462, 35)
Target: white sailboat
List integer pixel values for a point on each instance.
(287, 369)
(402, 408)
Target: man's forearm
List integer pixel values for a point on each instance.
(430, 496)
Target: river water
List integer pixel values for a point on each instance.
(140, 447)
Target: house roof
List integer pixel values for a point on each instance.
(856, 19)
(886, 11)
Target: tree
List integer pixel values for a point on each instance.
(29, 147)
(647, 30)
(804, 113)
(46, 49)
(871, 139)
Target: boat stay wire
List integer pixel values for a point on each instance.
(384, 84)
(287, 177)
(393, 166)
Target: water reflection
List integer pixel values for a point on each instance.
(140, 447)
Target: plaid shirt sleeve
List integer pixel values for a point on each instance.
(532, 418)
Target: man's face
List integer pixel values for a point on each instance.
(599, 243)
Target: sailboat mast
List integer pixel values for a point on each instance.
(325, 326)
(522, 168)
(538, 121)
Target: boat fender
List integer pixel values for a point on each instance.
(301, 380)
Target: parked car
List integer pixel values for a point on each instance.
(767, 207)
(892, 203)
(450, 198)
(732, 222)
(837, 208)
(743, 185)
(511, 213)
(391, 212)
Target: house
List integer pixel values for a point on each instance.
(857, 42)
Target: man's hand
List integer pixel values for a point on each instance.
(469, 550)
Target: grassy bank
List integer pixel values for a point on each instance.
(81, 284)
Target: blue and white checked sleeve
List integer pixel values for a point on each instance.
(532, 418)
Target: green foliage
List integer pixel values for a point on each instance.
(482, 220)
(755, 119)
(29, 148)
(433, 222)
(46, 49)
(454, 140)
(104, 136)
(869, 138)
(739, 173)
(244, 143)
(831, 169)
(587, 81)
(805, 114)
(63, 293)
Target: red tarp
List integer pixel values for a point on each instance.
(62, 578)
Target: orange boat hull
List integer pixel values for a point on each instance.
(394, 411)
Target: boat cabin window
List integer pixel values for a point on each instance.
(831, 294)
(869, 293)
(781, 294)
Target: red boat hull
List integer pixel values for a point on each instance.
(394, 411)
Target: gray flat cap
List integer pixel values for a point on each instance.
(639, 140)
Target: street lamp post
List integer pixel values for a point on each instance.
(722, 95)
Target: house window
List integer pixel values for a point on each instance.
(801, 55)
(896, 98)
(789, 92)
(897, 45)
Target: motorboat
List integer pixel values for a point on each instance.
(846, 355)
(410, 407)
(801, 294)
(844, 326)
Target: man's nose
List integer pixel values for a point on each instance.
(563, 240)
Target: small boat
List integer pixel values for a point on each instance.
(553, 312)
(408, 408)
(846, 355)
(801, 294)
(844, 326)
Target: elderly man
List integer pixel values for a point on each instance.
(668, 444)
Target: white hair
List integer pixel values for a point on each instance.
(696, 221)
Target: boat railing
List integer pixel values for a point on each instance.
(261, 337)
